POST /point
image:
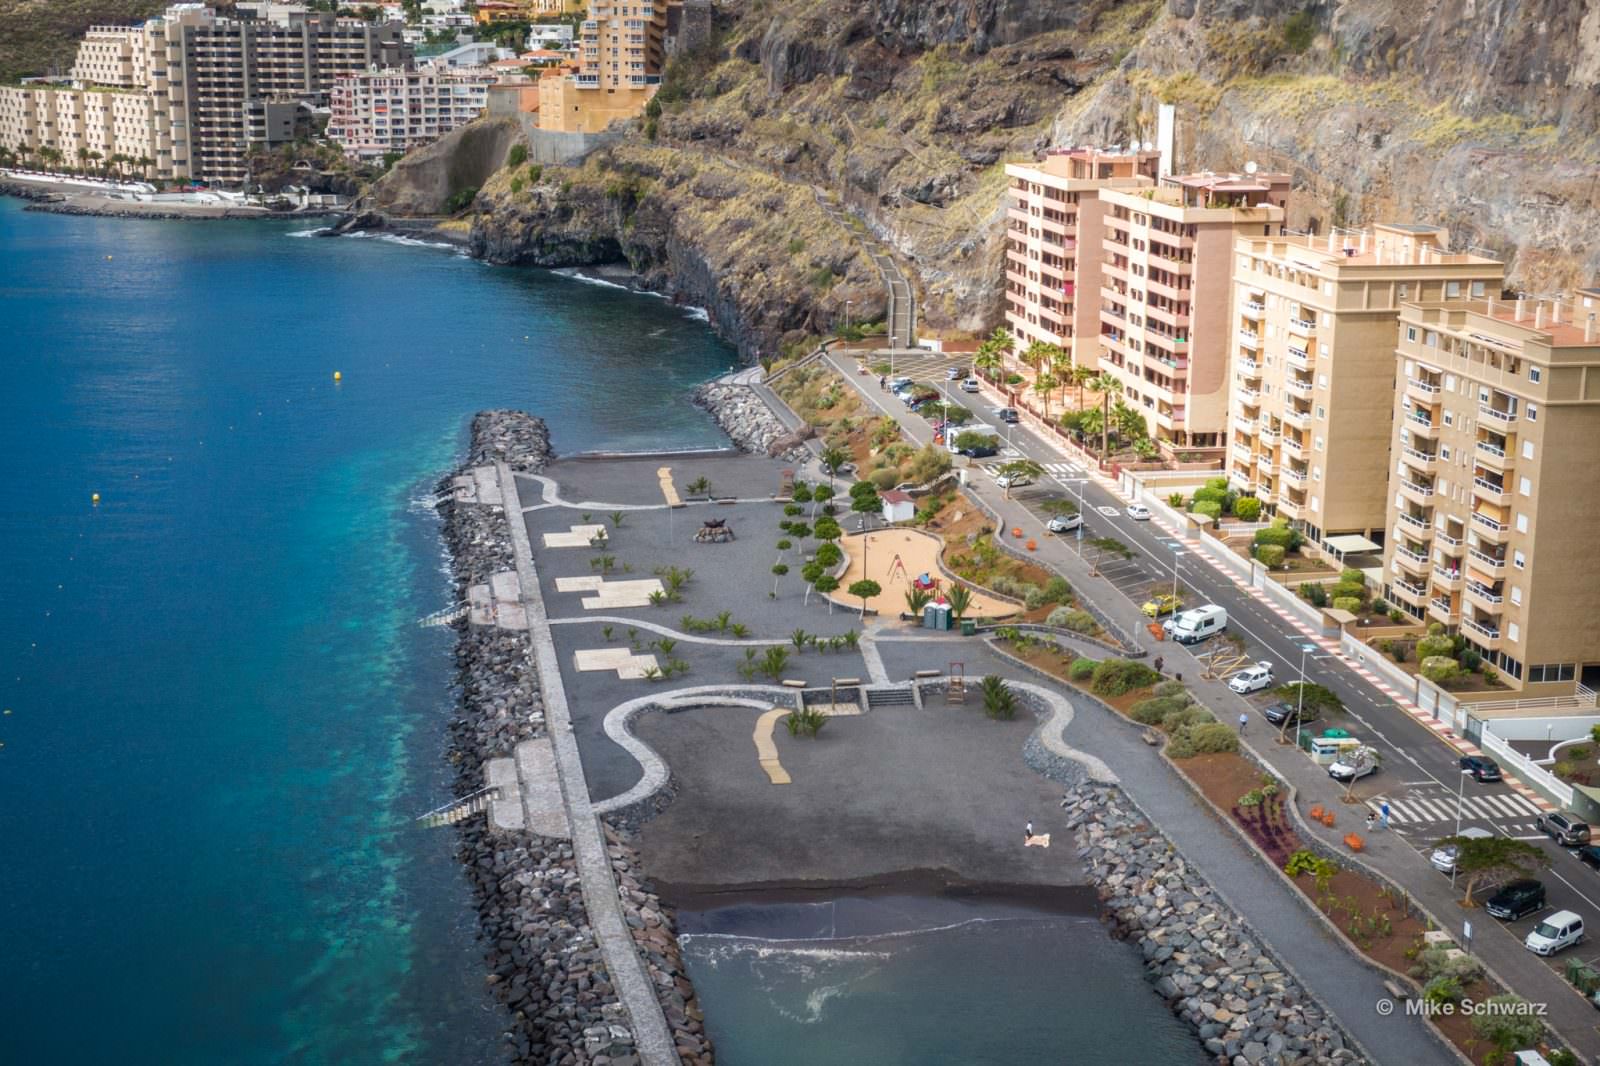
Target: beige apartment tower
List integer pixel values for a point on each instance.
(1313, 365)
(1492, 495)
(1165, 307)
(620, 59)
(1053, 293)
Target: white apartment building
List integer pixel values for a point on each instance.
(385, 111)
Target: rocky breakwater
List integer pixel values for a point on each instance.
(654, 930)
(544, 963)
(750, 423)
(1204, 961)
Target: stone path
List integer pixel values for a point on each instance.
(656, 772)
(629, 667)
(576, 537)
(766, 749)
(610, 595)
(652, 1037)
(669, 491)
(668, 631)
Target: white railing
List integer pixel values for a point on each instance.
(1423, 386)
(1490, 449)
(1559, 791)
(1480, 629)
(1497, 414)
(1304, 325)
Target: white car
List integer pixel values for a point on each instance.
(1444, 859)
(1252, 678)
(1012, 481)
(1138, 512)
(953, 373)
(970, 385)
(1351, 771)
(1064, 523)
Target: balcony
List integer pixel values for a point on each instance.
(1422, 494)
(1266, 434)
(1488, 635)
(1416, 522)
(1495, 565)
(1444, 578)
(1440, 609)
(1253, 309)
(1242, 450)
(1425, 391)
(1296, 417)
(1420, 460)
(1302, 326)
(1264, 463)
(1489, 491)
(1298, 387)
(1299, 357)
(1496, 414)
(1298, 476)
(1249, 366)
(1416, 595)
(1411, 559)
(1250, 397)
(1493, 455)
(1249, 338)
(1489, 526)
(1245, 425)
(1294, 446)
(1289, 507)
(1420, 424)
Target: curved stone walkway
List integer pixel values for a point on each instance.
(668, 631)
(619, 727)
(551, 494)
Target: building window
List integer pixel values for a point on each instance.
(1531, 412)
(1527, 449)
(1321, 413)
(1519, 560)
(1318, 444)
(1522, 522)
(1431, 339)
(1513, 632)
(1516, 594)
(1525, 487)
(1535, 375)
(1452, 289)
(1477, 288)
(1449, 418)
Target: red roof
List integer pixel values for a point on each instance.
(895, 496)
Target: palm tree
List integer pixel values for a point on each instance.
(1044, 384)
(1060, 366)
(960, 597)
(1105, 385)
(987, 358)
(1131, 425)
(1036, 354)
(1003, 343)
(83, 158)
(144, 164)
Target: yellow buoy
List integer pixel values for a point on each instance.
(108, 258)
(94, 498)
(338, 376)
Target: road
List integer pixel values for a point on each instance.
(1419, 775)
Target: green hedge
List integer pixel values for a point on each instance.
(1206, 738)
(1435, 646)
(1271, 555)
(1440, 670)
(1081, 669)
(1209, 493)
(1212, 509)
(1118, 677)
(1154, 711)
(1347, 603)
(1275, 535)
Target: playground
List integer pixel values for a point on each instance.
(898, 558)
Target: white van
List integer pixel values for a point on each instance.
(1561, 930)
(1199, 623)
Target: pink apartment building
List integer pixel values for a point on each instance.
(1052, 209)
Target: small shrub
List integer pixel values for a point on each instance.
(517, 156)
(1440, 669)
(1175, 500)
(1396, 615)
(1278, 535)
(1118, 677)
(1347, 603)
(1247, 508)
(1207, 738)
(1471, 660)
(1441, 990)
(1189, 715)
(1081, 669)
(999, 701)
(1073, 619)
(1212, 493)
(1035, 598)
(1057, 590)
(1314, 593)
(1270, 555)
(1433, 646)
(1173, 688)
(1355, 590)
(884, 479)
(1154, 711)
(1212, 509)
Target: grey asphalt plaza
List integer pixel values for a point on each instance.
(942, 790)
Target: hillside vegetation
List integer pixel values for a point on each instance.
(37, 36)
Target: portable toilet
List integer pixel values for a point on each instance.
(936, 616)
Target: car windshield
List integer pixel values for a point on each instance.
(1545, 929)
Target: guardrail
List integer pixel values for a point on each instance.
(1557, 790)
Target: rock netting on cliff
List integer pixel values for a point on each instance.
(1208, 966)
(544, 962)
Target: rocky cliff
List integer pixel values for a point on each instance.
(1477, 114)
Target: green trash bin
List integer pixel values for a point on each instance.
(968, 627)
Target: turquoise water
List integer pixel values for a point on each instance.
(223, 717)
(934, 983)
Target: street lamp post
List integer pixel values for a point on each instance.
(1460, 788)
(1300, 703)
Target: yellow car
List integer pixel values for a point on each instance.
(1165, 603)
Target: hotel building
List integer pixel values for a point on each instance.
(191, 91)
(620, 58)
(1165, 307)
(1052, 207)
(1492, 500)
(383, 111)
(1313, 333)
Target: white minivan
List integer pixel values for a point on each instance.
(1561, 930)
(1199, 623)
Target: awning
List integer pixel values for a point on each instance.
(1350, 544)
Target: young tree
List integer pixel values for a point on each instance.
(826, 583)
(999, 702)
(1495, 858)
(1358, 760)
(864, 498)
(819, 497)
(865, 589)
(1020, 468)
(960, 597)
(778, 570)
(834, 457)
(826, 529)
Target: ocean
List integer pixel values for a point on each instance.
(220, 718)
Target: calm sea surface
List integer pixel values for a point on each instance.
(221, 717)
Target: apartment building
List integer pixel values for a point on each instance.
(1165, 298)
(1051, 206)
(1313, 332)
(620, 57)
(383, 111)
(191, 91)
(1496, 437)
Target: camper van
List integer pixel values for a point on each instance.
(1199, 623)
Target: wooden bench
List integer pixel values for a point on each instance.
(1396, 990)
(922, 675)
(792, 682)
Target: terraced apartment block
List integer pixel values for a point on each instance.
(1313, 334)
(1165, 308)
(1492, 496)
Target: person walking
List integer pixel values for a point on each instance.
(1244, 718)
(1372, 819)
(1383, 812)
(1159, 663)
(883, 383)
(1027, 832)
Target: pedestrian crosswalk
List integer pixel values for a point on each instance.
(1415, 808)
(1062, 469)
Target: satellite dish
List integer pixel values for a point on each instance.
(1250, 167)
